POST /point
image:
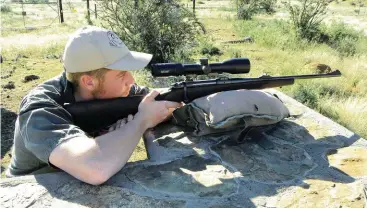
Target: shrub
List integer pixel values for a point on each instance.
(343, 38)
(211, 50)
(5, 8)
(162, 28)
(268, 5)
(247, 8)
(306, 16)
(306, 95)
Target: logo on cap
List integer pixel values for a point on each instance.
(114, 39)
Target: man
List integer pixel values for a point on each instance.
(97, 65)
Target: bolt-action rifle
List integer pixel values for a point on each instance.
(97, 114)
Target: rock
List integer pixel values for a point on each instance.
(77, 194)
(294, 163)
(319, 68)
(248, 39)
(9, 85)
(350, 160)
(321, 194)
(30, 78)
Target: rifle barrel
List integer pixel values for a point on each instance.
(335, 73)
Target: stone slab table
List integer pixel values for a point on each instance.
(304, 161)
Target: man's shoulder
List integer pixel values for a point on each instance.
(48, 93)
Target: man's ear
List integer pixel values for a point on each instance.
(88, 82)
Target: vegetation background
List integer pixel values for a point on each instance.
(274, 37)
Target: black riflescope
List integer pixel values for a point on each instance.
(232, 66)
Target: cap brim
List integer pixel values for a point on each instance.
(132, 61)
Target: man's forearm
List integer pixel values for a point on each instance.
(114, 149)
(95, 160)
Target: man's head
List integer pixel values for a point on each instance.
(98, 62)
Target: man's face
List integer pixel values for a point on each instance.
(116, 84)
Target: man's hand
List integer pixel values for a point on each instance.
(120, 123)
(154, 112)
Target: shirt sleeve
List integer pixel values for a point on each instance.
(45, 128)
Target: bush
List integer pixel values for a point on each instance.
(162, 28)
(247, 8)
(343, 38)
(306, 95)
(211, 51)
(306, 16)
(5, 8)
(268, 5)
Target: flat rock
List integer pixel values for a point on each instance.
(350, 160)
(303, 161)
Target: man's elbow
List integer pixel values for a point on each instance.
(90, 174)
(96, 176)
(95, 181)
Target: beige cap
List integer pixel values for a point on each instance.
(91, 48)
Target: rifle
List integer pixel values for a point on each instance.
(97, 114)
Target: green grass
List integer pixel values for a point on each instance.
(284, 54)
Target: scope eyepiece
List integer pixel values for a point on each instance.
(232, 66)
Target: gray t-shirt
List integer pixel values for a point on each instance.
(43, 124)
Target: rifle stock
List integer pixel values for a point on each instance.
(94, 115)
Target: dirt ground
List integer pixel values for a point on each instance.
(7, 132)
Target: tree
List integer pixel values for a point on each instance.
(159, 27)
